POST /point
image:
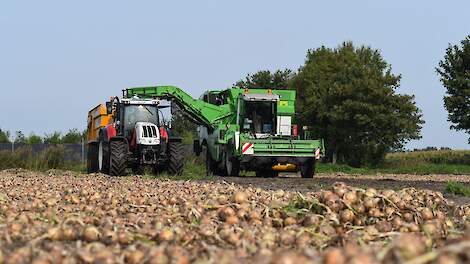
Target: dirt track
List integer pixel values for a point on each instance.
(293, 182)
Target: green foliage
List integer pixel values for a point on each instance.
(417, 162)
(301, 206)
(183, 127)
(54, 138)
(457, 157)
(50, 158)
(457, 188)
(394, 168)
(34, 139)
(20, 138)
(4, 136)
(454, 72)
(73, 136)
(267, 80)
(348, 97)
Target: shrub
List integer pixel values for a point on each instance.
(24, 157)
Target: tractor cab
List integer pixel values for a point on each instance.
(140, 114)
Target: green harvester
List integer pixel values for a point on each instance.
(244, 129)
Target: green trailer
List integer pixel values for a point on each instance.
(244, 129)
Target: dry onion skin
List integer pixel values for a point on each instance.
(62, 217)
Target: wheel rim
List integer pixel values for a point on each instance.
(100, 156)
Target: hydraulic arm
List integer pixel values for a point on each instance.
(203, 113)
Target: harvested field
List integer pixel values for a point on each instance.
(60, 217)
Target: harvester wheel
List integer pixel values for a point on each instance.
(92, 158)
(307, 170)
(232, 165)
(118, 158)
(210, 164)
(176, 156)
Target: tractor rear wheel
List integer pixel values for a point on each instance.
(117, 158)
(103, 157)
(176, 156)
(92, 158)
(307, 170)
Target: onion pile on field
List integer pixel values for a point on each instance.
(59, 217)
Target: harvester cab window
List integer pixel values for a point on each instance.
(260, 117)
(215, 99)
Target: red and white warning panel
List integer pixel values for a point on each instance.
(247, 149)
(317, 154)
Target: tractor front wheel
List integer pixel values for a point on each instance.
(117, 158)
(176, 156)
(307, 170)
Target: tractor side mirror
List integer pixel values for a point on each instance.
(109, 108)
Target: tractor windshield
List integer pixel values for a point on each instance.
(139, 113)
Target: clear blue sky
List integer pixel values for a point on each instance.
(60, 58)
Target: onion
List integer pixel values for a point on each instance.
(346, 216)
(350, 197)
(240, 197)
(426, 214)
(334, 256)
(232, 220)
(135, 257)
(91, 234)
(289, 221)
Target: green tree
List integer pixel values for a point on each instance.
(348, 96)
(20, 137)
(267, 80)
(454, 72)
(34, 139)
(53, 138)
(4, 136)
(73, 136)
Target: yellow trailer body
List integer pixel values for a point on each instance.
(97, 118)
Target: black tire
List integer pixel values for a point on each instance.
(137, 170)
(92, 158)
(232, 165)
(210, 164)
(103, 155)
(176, 156)
(267, 174)
(117, 158)
(307, 170)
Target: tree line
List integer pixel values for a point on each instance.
(348, 96)
(73, 136)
